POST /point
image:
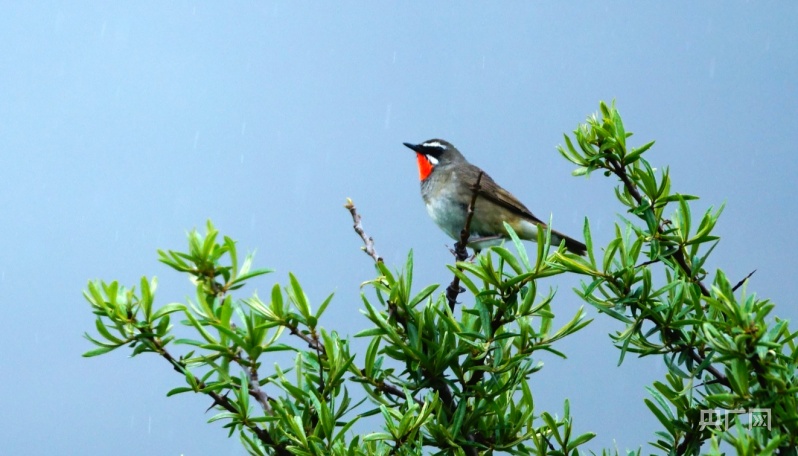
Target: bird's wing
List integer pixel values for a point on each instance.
(491, 191)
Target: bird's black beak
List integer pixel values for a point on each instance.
(413, 147)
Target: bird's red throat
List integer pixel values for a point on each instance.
(424, 166)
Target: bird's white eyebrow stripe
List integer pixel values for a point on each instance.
(434, 144)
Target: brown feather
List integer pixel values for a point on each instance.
(493, 192)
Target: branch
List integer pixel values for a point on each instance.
(443, 390)
(678, 255)
(312, 343)
(263, 435)
(460, 252)
(392, 390)
(254, 390)
(367, 240)
(710, 368)
(369, 249)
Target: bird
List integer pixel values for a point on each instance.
(447, 186)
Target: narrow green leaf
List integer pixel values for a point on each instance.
(660, 416)
(99, 351)
(168, 309)
(519, 246)
(298, 296)
(324, 305)
(244, 277)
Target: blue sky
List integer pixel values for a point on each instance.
(123, 125)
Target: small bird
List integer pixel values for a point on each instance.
(447, 181)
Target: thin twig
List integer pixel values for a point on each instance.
(387, 388)
(460, 252)
(312, 343)
(369, 249)
(741, 282)
(367, 240)
(255, 391)
(263, 435)
(443, 390)
(720, 378)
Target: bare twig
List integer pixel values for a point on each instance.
(314, 344)
(256, 392)
(369, 249)
(460, 252)
(741, 282)
(443, 390)
(386, 387)
(367, 240)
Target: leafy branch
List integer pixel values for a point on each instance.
(436, 382)
(695, 328)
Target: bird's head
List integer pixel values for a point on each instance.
(434, 153)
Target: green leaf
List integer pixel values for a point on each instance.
(178, 390)
(99, 351)
(464, 280)
(168, 309)
(324, 305)
(508, 258)
(103, 330)
(230, 247)
(147, 296)
(244, 277)
(635, 154)
(371, 332)
(660, 416)
(298, 297)
(580, 440)
(371, 356)
(519, 246)
(422, 295)
(457, 419)
(581, 171)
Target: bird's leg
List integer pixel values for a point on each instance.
(478, 243)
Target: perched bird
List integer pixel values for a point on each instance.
(447, 181)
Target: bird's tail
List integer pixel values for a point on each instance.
(570, 243)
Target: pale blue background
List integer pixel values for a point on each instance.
(122, 125)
